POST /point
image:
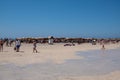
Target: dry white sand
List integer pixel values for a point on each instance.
(56, 53)
(110, 76)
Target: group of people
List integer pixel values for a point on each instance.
(9, 42)
(18, 45)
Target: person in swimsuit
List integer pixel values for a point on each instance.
(17, 45)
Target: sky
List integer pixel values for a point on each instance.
(60, 18)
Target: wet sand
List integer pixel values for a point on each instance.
(56, 62)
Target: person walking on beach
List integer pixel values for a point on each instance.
(17, 45)
(1, 45)
(34, 46)
(103, 46)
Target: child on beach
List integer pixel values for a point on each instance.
(17, 45)
(103, 47)
(34, 47)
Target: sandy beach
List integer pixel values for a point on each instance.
(59, 39)
(109, 76)
(55, 54)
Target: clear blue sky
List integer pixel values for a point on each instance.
(60, 18)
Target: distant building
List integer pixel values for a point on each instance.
(50, 40)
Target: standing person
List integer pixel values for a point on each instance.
(103, 46)
(1, 45)
(34, 46)
(17, 45)
(7, 42)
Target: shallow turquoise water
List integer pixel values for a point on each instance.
(95, 62)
